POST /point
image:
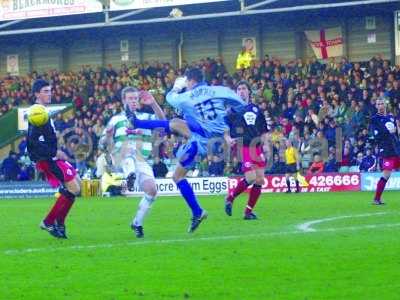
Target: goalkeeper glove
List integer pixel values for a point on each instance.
(180, 84)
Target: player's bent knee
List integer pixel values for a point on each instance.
(149, 198)
(152, 193)
(73, 187)
(65, 192)
(260, 181)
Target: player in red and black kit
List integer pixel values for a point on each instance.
(42, 149)
(250, 127)
(385, 134)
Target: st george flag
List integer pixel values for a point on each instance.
(326, 42)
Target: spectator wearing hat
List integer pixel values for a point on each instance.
(10, 168)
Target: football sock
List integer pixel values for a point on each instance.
(187, 193)
(379, 188)
(68, 200)
(253, 198)
(144, 207)
(55, 211)
(288, 184)
(240, 188)
(297, 185)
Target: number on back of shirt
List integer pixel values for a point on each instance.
(207, 110)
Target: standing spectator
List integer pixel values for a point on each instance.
(305, 151)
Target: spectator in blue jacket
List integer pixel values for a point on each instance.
(10, 167)
(369, 162)
(331, 165)
(22, 146)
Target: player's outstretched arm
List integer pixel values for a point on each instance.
(174, 98)
(147, 98)
(231, 98)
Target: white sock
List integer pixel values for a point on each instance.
(143, 209)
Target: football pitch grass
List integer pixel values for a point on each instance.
(306, 246)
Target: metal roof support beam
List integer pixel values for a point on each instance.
(242, 5)
(318, 6)
(255, 5)
(196, 17)
(106, 16)
(128, 14)
(10, 23)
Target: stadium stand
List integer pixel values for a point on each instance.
(308, 102)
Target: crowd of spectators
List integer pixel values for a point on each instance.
(322, 107)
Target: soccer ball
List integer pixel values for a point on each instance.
(38, 115)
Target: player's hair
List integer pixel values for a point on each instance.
(38, 85)
(194, 74)
(243, 82)
(126, 90)
(381, 99)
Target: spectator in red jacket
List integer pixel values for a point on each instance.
(317, 166)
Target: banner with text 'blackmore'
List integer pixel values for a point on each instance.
(22, 9)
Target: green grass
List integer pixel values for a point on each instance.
(228, 258)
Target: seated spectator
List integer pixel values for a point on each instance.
(317, 166)
(368, 162)
(159, 168)
(216, 166)
(23, 174)
(236, 167)
(331, 165)
(357, 119)
(355, 165)
(10, 167)
(202, 166)
(59, 123)
(278, 166)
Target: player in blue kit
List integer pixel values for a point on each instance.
(204, 109)
(385, 134)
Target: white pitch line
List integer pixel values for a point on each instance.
(190, 240)
(306, 227)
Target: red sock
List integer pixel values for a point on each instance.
(240, 188)
(380, 186)
(65, 209)
(253, 198)
(56, 209)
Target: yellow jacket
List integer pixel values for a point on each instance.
(109, 179)
(244, 60)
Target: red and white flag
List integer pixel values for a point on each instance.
(326, 42)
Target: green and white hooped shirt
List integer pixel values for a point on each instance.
(120, 123)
